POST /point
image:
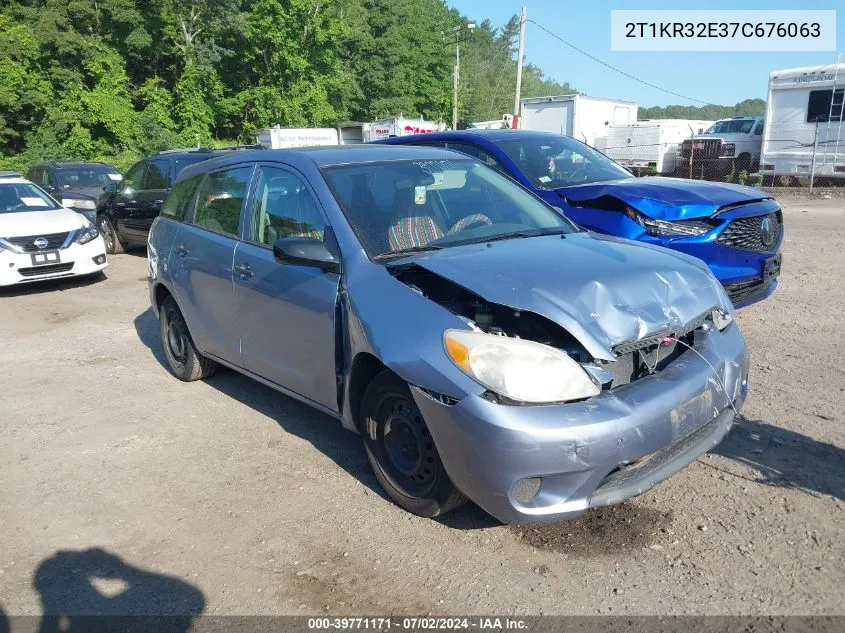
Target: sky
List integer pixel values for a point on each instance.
(723, 78)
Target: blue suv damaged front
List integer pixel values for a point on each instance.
(737, 231)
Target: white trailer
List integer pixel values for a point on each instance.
(804, 133)
(649, 145)
(287, 137)
(398, 126)
(579, 116)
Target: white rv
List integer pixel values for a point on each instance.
(804, 132)
(653, 144)
(579, 116)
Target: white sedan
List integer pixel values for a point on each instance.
(40, 239)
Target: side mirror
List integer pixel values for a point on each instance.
(305, 251)
(110, 188)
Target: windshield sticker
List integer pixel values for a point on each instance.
(35, 202)
(115, 177)
(544, 179)
(419, 195)
(431, 167)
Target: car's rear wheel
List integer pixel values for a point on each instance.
(184, 360)
(402, 451)
(110, 237)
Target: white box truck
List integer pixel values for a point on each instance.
(398, 126)
(579, 116)
(652, 145)
(288, 137)
(804, 132)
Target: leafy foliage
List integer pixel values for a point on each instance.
(115, 80)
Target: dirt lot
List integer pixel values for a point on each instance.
(228, 498)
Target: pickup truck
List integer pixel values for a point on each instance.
(729, 145)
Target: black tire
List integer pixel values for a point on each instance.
(113, 244)
(185, 362)
(404, 457)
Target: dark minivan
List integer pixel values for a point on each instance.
(127, 210)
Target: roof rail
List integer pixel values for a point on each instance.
(239, 148)
(184, 150)
(10, 174)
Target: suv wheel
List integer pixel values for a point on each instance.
(401, 450)
(184, 360)
(112, 241)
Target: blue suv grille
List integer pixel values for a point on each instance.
(750, 234)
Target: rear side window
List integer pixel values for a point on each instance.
(179, 200)
(824, 105)
(220, 198)
(480, 153)
(156, 176)
(180, 163)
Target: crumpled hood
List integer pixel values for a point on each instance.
(25, 223)
(667, 198)
(601, 290)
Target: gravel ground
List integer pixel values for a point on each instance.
(126, 491)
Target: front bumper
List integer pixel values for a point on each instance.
(76, 259)
(584, 451)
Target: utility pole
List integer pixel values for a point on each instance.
(456, 76)
(522, 18)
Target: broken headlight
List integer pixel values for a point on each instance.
(721, 318)
(661, 228)
(518, 369)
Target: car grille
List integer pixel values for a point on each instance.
(747, 233)
(54, 242)
(704, 148)
(49, 269)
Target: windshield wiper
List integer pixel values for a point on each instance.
(519, 235)
(409, 251)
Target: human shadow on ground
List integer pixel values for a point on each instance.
(94, 591)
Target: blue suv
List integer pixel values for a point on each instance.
(736, 230)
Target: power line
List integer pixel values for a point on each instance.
(613, 68)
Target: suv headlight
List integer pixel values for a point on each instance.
(86, 234)
(520, 370)
(661, 228)
(728, 149)
(722, 318)
(79, 204)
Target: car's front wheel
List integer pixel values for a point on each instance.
(110, 237)
(401, 450)
(184, 360)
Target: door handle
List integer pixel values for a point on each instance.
(181, 250)
(243, 271)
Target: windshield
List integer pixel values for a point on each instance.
(86, 176)
(734, 126)
(18, 197)
(550, 161)
(403, 206)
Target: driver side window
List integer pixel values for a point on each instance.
(132, 179)
(283, 206)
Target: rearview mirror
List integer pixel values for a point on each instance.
(305, 251)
